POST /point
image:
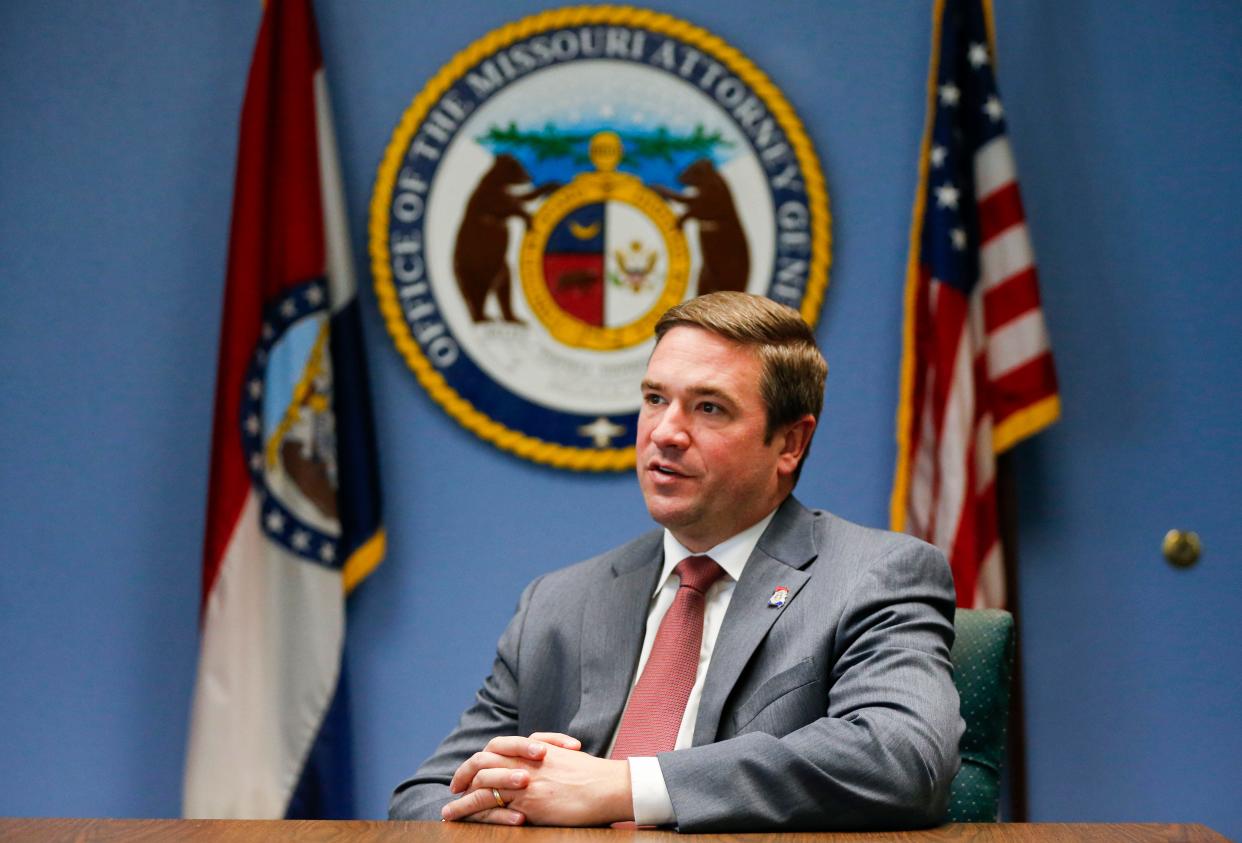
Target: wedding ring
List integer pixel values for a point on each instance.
(500, 803)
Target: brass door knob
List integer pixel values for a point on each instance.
(1182, 548)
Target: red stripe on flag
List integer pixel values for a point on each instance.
(276, 239)
(1014, 297)
(976, 535)
(979, 371)
(976, 523)
(1022, 387)
(918, 387)
(943, 337)
(964, 550)
(1001, 210)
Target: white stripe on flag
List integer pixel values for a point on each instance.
(955, 436)
(985, 458)
(272, 636)
(984, 465)
(990, 586)
(1016, 343)
(994, 167)
(1005, 255)
(339, 257)
(924, 472)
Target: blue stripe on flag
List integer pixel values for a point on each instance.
(358, 492)
(326, 787)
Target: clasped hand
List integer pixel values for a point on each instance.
(544, 780)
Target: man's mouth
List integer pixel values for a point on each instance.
(666, 470)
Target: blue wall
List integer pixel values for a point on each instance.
(116, 168)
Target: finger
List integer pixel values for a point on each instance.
(479, 761)
(496, 816)
(474, 802)
(500, 778)
(557, 739)
(515, 746)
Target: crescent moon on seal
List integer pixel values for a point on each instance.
(584, 232)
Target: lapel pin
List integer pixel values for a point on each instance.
(779, 596)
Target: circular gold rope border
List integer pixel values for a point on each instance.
(530, 447)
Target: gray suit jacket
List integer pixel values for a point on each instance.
(836, 711)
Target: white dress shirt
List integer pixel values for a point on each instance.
(652, 805)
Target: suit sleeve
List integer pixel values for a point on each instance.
(886, 748)
(494, 713)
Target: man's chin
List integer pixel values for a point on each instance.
(669, 511)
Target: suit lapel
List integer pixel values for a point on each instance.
(615, 619)
(783, 551)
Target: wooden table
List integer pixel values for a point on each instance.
(251, 831)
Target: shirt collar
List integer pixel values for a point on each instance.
(731, 554)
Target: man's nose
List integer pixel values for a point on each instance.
(671, 431)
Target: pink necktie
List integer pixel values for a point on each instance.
(653, 717)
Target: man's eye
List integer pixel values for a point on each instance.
(709, 408)
(653, 399)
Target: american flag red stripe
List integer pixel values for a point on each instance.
(1014, 392)
(977, 370)
(1016, 297)
(1000, 212)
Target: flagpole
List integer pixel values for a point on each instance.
(1007, 509)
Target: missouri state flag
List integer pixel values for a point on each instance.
(977, 372)
(293, 521)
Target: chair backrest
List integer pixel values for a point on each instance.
(982, 666)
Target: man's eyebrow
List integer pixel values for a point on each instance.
(709, 391)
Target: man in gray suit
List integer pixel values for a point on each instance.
(823, 694)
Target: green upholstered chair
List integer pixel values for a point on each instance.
(982, 666)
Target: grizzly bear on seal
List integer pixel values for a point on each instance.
(726, 257)
(483, 238)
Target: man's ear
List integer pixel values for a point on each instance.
(795, 439)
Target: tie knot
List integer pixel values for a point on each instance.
(698, 572)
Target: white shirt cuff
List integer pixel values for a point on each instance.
(652, 805)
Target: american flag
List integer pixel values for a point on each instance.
(977, 372)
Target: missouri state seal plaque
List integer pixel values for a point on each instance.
(554, 189)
